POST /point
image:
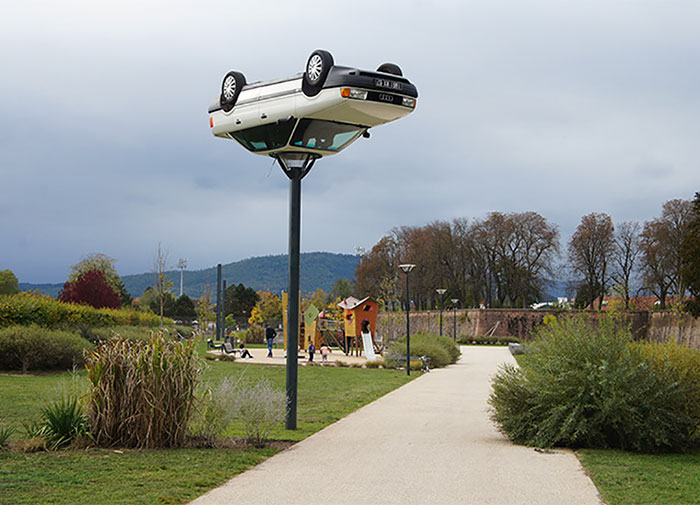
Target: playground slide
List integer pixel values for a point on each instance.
(369, 348)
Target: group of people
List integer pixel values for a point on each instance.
(270, 335)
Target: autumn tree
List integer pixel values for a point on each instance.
(267, 310)
(590, 253)
(690, 257)
(625, 258)
(90, 288)
(105, 264)
(8, 283)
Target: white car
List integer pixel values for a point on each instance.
(321, 111)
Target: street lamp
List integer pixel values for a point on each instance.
(181, 265)
(406, 268)
(454, 309)
(441, 292)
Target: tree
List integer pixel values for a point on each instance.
(240, 301)
(690, 258)
(205, 308)
(90, 288)
(590, 252)
(184, 307)
(105, 264)
(342, 288)
(268, 310)
(162, 284)
(626, 252)
(661, 241)
(8, 283)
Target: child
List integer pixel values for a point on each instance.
(325, 351)
(311, 350)
(245, 353)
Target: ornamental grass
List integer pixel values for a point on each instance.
(142, 394)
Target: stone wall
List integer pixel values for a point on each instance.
(654, 326)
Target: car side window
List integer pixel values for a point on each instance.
(265, 137)
(324, 135)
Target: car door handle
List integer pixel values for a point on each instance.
(238, 121)
(263, 116)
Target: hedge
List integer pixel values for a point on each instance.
(29, 348)
(441, 350)
(29, 308)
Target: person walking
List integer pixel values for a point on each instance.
(325, 351)
(270, 335)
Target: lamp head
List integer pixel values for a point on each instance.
(407, 267)
(454, 301)
(441, 291)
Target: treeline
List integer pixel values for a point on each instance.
(507, 260)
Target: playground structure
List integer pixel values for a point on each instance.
(356, 334)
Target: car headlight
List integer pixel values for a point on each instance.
(357, 94)
(409, 102)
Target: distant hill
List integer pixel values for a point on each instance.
(268, 273)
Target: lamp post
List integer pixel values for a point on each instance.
(454, 309)
(441, 292)
(406, 269)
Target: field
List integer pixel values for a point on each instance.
(326, 394)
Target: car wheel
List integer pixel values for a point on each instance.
(316, 71)
(390, 68)
(231, 87)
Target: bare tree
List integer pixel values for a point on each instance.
(661, 250)
(162, 284)
(626, 253)
(590, 252)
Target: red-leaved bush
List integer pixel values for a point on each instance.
(90, 288)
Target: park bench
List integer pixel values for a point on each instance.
(423, 359)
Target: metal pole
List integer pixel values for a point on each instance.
(218, 300)
(441, 316)
(454, 337)
(223, 311)
(408, 330)
(295, 176)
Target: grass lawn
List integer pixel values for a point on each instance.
(625, 478)
(326, 394)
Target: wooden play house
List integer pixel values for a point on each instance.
(360, 315)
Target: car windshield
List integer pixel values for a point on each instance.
(266, 137)
(324, 135)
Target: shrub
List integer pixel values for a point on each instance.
(142, 394)
(30, 348)
(340, 363)
(261, 408)
(5, 433)
(217, 409)
(377, 363)
(581, 386)
(440, 349)
(44, 311)
(63, 421)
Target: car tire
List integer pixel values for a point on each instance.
(231, 87)
(317, 67)
(390, 68)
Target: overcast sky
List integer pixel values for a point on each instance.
(558, 107)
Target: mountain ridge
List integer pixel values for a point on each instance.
(266, 273)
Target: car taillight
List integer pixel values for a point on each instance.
(211, 122)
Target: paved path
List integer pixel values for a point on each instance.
(428, 442)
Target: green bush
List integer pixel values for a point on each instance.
(142, 394)
(30, 348)
(440, 349)
(5, 434)
(31, 308)
(586, 386)
(63, 421)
